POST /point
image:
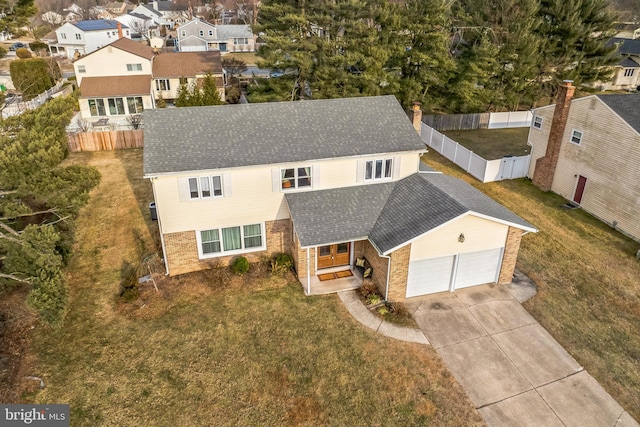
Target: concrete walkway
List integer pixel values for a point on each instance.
(513, 370)
(362, 314)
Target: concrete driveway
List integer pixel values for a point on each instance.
(512, 369)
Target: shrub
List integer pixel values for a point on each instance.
(232, 95)
(38, 46)
(400, 309)
(129, 282)
(281, 263)
(49, 296)
(160, 102)
(23, 53)
(240, 265)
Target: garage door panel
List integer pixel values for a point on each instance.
(429, 276)
(477, 268)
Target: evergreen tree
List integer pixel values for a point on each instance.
(574, 36)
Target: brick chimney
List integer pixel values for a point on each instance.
(415, 114)
(119, 25)
(546, 166)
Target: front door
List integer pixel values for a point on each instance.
(333, 255)
(582, 182)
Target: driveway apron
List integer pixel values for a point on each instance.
(513, 370)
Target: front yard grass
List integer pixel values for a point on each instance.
(588, 282)
(212, 350)
(492, 144)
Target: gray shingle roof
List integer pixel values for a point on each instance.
(626, 46)
(626, 106)
(390, 214)
(226, 32)
(628, 63)
(202, 138)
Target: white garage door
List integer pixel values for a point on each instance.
(477, 268)
(432, 275)
(199, 48)
(429, 276)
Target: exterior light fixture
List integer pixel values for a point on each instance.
(461, 238)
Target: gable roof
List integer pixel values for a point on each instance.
(136, 48)
(150, 9)
(186, 64)
(628, 63)
(391, 214)
(226, 32)
(226, 136)
(626, 46)
(626, 106)
(198, 21)
(115, 86)
(98, 25)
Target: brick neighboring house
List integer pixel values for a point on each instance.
(586, 150)
(329, 181)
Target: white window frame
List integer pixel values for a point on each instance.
(240, 41)
(183, 33)
(167, 84)
(629, 72)
(574, 137)
(537, 124)
(243, 248)
(134, 67)
(82, 69)
(201, 33)
(210, 33)
(386, 171)
(78, 36)
(63, 36)
(295, 178)
(203, 194)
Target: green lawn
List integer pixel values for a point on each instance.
(212, 349)
(587, 276)
(491, 144)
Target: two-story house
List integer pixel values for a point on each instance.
(83, 37)
(587, 150)
(197, 35)
(334, 183)
(126, 77)
(626, 73)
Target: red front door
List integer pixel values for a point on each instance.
(577, 196)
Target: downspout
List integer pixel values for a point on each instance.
(308, 273)
(386, 291)
(164, 248)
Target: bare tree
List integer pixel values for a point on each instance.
(140, 26)
(134, 120)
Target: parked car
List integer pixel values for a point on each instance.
(17, 45)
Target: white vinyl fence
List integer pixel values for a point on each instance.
(17, 108)
(484, 170)
(513, 119)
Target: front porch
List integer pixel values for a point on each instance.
(344, 278)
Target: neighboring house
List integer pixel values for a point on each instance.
(148, 11)
(626, 75)
(172, 14)
(586, 150)
(127, 77)
(329, 181)
(83, 37)
(170, 70)
(141, 26)
(198, 36)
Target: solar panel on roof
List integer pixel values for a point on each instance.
(98, 24)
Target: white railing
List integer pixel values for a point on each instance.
(484, 170)
(17, 108)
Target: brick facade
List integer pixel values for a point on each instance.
(300, 259)
(182, 248)
(379, 265)
(399, 274)
(546, 165)
(511, 248)
(415, 115)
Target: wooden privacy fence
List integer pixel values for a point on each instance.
(485, 170)
(457, 121)
(512, 119)
(104, 141)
